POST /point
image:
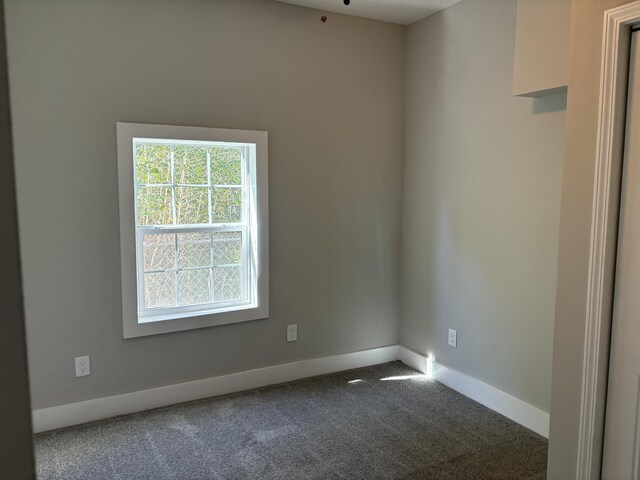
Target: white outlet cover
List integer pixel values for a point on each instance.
(453, 338)
(292, 333)
(83, 366)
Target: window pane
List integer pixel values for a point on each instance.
(194, 250)
(160, 290)
(159, 252)
(190, 164)
(194, 287)
(226, 166)
(227, 248)
(192, 205)
(155, 206)
(153, 164)
(227, 283)
(226, 205)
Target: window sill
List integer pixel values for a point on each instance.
(198, 313)
(159, 324)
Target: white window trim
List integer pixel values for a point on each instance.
(257, 196)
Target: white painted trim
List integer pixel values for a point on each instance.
(412, 359)
(256, 225)
(511, 407)
(598, 316)
(60, 416)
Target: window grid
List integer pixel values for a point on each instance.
(176, 277)
(209, 184)
(211, 228)
(173, 185)
(245, 174)
(211, 267)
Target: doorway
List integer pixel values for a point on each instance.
(622, 428)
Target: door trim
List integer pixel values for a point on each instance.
(604, 226)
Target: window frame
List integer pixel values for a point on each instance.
(247, 168)
(138, 321)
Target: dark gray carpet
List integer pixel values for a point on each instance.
(329, 427)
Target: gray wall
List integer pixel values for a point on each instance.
(331, 97)
(482, 186)
(16, 447)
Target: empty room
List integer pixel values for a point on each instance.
(319, 239)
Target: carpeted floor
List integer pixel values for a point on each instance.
(381, 422)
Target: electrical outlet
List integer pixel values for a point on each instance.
(83, 366)
(292, 333)
(453, 338)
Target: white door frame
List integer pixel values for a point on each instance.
(604, 229)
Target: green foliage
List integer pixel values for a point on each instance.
(155, 204)
(226, 205)
(192, 205)
(190, 165)
(153, 164)
(226, 166)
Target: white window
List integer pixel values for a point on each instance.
(193, 227)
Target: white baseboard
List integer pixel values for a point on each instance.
(413, 359)
(60, 416)
(511, 407)
(51, 418)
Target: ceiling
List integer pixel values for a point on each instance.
(403, 12)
